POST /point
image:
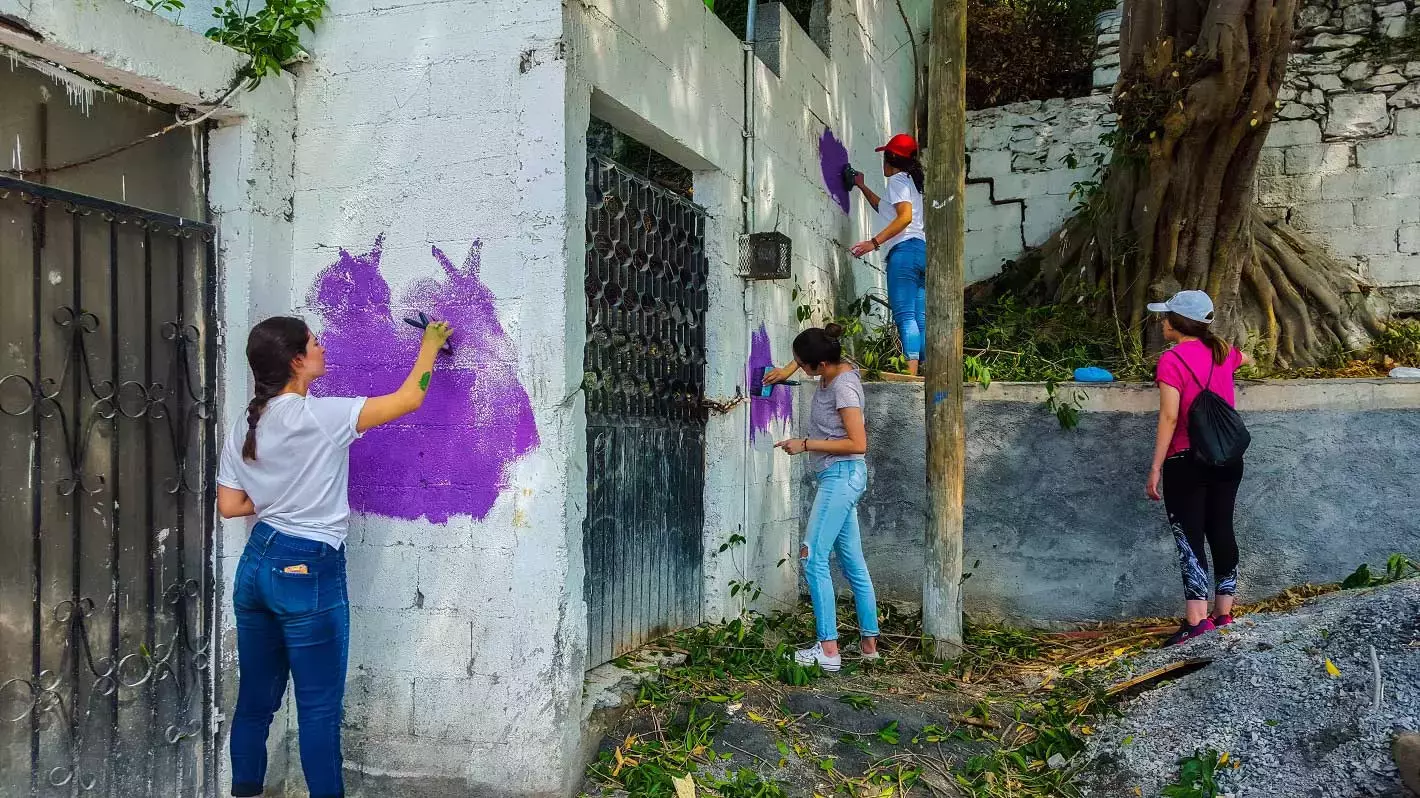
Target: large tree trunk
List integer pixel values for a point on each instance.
(1196, 94)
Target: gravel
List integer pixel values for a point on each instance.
(1269, 702)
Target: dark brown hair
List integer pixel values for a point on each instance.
(910, 165)
(1204, 333)
(271, 347)
(819, 345)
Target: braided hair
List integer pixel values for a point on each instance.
(271, 347)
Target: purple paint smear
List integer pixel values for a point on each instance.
(832, 157)
(779, 405)
(452, 456)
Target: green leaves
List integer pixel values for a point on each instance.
(1196, 776)
(159, 5)
(1397, 567)
(271, 36)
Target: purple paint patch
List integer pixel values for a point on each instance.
(832, 157)
(779, 405)
(452, 456)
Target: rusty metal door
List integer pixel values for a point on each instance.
(645, 385)
(106, 498)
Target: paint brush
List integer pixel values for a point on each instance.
(758, 388)
(850, 176)
(422, 323)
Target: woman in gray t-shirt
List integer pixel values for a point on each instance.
(836, 443)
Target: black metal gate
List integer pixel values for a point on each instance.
(645, 384)
(106, 456)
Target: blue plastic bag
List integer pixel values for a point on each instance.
(1093, 374)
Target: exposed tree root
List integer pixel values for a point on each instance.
(1295, 306)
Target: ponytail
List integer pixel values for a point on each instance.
(1221, 348)
(911, 165)
(1203, 332)
(271, 348)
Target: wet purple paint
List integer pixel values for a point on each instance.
(453, 455)
(832, 157)
(779, 405)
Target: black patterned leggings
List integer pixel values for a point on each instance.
(1200, 500)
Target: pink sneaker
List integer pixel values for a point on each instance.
(1186, 632)
(1220, 621)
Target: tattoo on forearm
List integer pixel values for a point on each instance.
(424, 382)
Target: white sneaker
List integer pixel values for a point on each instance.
(810, 656)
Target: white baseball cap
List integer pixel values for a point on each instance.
(1195, 305)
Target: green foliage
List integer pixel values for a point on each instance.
(732, 13)
(1197, 776)
(1397, 567)
(870, 338)
(1022, 343)
(271, 36)
(858, 702)
(1400, 342)
(1029, 49)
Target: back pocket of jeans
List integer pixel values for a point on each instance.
(293, 594)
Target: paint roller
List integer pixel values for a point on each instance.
(758, 388)
(422, 323)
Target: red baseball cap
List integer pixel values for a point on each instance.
(901, 145)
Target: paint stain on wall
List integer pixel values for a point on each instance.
(779, 405)
(453, 455)
(832, 157)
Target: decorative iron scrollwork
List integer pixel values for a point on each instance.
(87, 660)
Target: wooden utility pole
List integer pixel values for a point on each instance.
(946, 230)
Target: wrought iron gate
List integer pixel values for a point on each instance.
(106, 456)
(645, 383)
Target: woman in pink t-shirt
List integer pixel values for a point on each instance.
(1199, 498)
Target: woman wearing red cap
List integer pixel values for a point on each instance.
(903, 238)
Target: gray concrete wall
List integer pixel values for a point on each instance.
(1060, 524)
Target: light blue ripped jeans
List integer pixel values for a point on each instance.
(833, 527)
(907, 294)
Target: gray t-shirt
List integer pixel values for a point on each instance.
(825, 423)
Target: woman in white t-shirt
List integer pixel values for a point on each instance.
(902, 236)
(288, 464)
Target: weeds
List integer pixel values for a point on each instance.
(1397, 567)
(1197, 775)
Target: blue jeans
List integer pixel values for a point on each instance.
(907, 293)
(833, 527)
(297, 623)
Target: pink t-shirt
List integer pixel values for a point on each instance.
(1199, 358)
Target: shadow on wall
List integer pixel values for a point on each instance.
(453, 455)
(1063, 532)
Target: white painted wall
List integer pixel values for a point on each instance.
(1342, 160)
(437, 123)
(670, 74)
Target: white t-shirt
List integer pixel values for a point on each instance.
(300, 479)
(900, 188)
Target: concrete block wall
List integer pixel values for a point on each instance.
(431, 128)
(672, 75)
(1342, 160)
